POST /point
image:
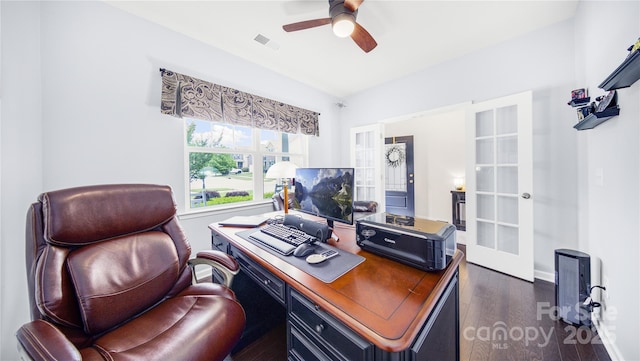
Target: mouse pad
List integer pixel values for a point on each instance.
(327, 271)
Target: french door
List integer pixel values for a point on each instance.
(499, 185)
(366, 160)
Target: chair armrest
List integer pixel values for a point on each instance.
(365, 206)
(40, 340)
(220, 261)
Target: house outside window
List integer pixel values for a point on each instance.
(227, 163)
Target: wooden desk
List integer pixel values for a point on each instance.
(385, 309)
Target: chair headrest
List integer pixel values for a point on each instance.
(85, 215)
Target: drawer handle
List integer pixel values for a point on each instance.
(266, 282)
(319, 328)
(317, 307)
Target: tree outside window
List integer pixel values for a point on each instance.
(222, 167)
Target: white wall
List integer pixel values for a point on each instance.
(81, 100)
(609, 205)
(439, 157)
(21, 145)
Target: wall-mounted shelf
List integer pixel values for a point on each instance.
(625, 75)
(594, 119)
(579, 102)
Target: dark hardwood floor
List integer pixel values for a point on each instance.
(501, 318)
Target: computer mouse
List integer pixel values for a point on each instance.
(304, 250)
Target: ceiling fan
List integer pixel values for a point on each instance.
(342, 17)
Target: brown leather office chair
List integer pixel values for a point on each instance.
(109, 278)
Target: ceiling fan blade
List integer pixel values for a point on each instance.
(352, 5)
(306, 24)
(364, 40)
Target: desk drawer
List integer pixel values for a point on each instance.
(303, 349)
(331, 334)
(264, 278)
(219, 242)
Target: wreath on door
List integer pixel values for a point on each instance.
(394, 156)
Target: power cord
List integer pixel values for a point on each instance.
(589, 302)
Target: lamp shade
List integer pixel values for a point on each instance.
(284, 169)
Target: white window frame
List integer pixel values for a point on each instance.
(258, 171)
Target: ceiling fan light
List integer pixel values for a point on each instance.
(343, 25)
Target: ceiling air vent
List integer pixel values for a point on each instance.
(266, 42)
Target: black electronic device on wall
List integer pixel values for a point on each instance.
(573, 286)
(421, 243)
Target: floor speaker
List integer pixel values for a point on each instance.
(573, 285)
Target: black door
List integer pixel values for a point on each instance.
(399, 182)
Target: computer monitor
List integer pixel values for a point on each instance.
(326, 193)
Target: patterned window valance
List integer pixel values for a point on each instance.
(185, 96)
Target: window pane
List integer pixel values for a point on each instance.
(508, 239)
(276, 142)
(207, 134)
(484, 123)
(218, 178)
(485, 207)
(270, 141)
(507, 152)
(227, 163)
(272, 185)
(486, 235)
(484, 179)
(484, 151)
(297, 144)
(507, 179)
(507, 120)
(508, 209)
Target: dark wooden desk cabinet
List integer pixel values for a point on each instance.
(381, 310)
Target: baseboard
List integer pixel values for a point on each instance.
(609, 345)
(603, 332)
(544, 276)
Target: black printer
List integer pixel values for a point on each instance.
(421, 243)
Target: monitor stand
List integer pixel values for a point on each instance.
(331, 234)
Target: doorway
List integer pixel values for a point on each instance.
(399, 184)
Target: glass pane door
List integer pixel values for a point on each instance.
(365, 159)
(499, 168)
(497, 179)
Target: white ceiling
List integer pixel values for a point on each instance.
(411, 35)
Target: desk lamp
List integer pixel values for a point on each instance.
(284, 170)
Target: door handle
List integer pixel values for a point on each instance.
(526, 195)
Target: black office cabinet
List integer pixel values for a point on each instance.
(573, 284)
